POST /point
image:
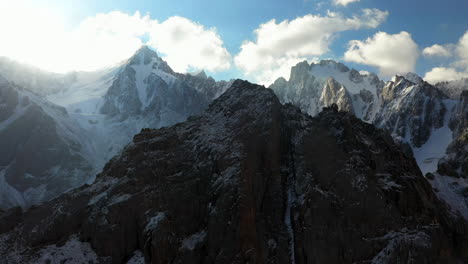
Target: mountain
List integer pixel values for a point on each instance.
(427, 121)
(103, 110)
(248, 181)
(417, 114)
(412, 110)
(314, 86)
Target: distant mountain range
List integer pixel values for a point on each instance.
(80, 120)
(146, 164)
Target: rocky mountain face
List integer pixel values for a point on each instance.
(102, 111)
(42, 154)
(416, 113)
(314, 86)
(248, 181)
(411, 110)
(456, 162)
(147, 86)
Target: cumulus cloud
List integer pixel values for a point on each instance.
(457, 69)
(437, 50)
(344, 2)
(462, 50)
(188, 45)
(278, 46)
(440, 74)
(392, 54)
(35, 36)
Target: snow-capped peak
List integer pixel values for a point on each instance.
(350, 78)
(144, 55)
(200, 74)
(413, 77)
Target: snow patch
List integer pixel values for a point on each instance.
(429, 154)
(96, 198)
(119, 199)
(191, 242)
(74, 251)
(397, 239)
(137, 258)
(154, 221)
(386, 181)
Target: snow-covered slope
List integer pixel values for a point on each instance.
(44, 151)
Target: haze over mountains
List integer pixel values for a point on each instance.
(57, 132)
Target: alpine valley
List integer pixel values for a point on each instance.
(139, 164)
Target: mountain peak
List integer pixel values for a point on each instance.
(144, 55)
(331, 63)
(413, 77)
(200, 74)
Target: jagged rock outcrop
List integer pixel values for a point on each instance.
(411, 110)
(247, 181)
(335, 93)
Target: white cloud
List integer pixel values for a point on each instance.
(103, 40)
(437, 50)
(458, 69)
(188, 45)
(344, 2)
(462, 50)
(278, 46)
(440, 74)
(392, 54)
(36, 36)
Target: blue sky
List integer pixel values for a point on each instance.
(428, 22)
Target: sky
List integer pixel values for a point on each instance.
(254, 40)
